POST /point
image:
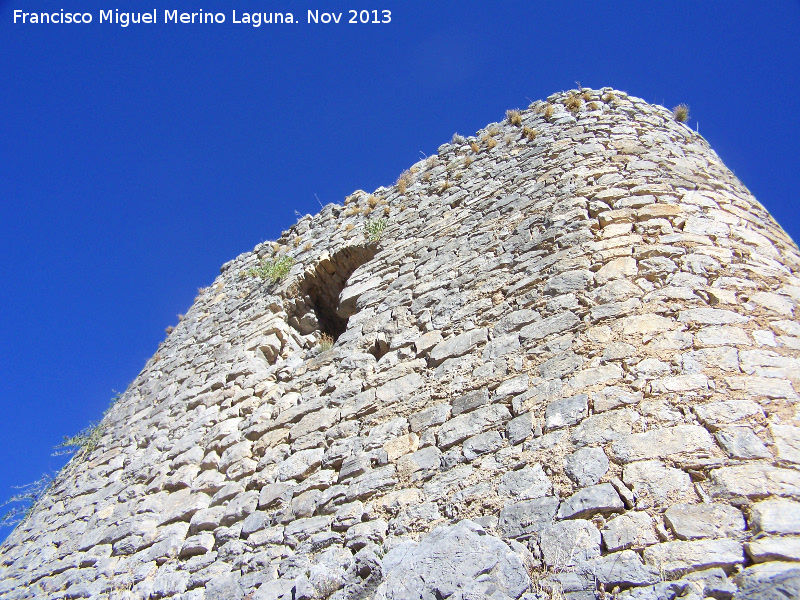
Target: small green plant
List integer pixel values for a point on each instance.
(325, 342)
(26, 499)
(681, 113)
(374, 229)
(83, 442)
(274, 270)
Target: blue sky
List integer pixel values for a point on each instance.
(135, 161)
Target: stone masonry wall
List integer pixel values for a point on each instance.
(566, 367)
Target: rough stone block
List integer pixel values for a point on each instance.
(690, 521)
(596, 499)
(633, 529)
(678, 558)
(567, 411)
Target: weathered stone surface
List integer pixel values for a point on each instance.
(753, 481)
(690, 521)
(653, 481)
(525, 484)
(586, 466)
(661, 443)
(566, 543)
(457, 345)
(530, 516)
(778, 515)
(741, 442)
(463, 426)
(633, 529)
(680, 557)
(608, 283)
(461, 558)
(566, 411)
(595, 499)
(774, 548)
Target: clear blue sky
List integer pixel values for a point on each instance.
(135, 161)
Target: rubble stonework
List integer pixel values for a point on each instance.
(567, 366)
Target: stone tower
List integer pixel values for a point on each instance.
(564, 368)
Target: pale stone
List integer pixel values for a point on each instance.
(689, 521)
(660, 443)
(397, 447)
(651, 479)
(776, 515)
(677, 558)
(617, 269)
(631, 530)
(774, 548)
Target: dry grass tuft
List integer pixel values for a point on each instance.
(548, 110)
(493, 130)
(681, 113)
(593, 106)
(468, 161)
(349, 227)
(586, 95)
(514, 117)
(609, 97)
(573, 102)
(404, 181)
(386, 210)
(489, 141)
(475, 147)
(529, 133)
(308, 246)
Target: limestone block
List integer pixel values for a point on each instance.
(779, 304)
(624, 568)
(350, 295)
(481, 444)
(741, 442)
(677, 558)
(275, 495)
(460, 559)
(566, 543)
(382, 433)
(522, 519)
(197, 545)
(519, 428)
(690, 521)
(633, 529)
(660, 443)
(525, 484)
(722, 335)
(645, 324)
(596, 499)
(787, 442)
(566, 411)
(776, 515)
(471, 401)
(725, 412)
(372, 482)
(612, 397)
(300, 464)
(510, 387)
(206, 519)
(239, 508)
(774, 548)
(541, 329)
(617, 269)
(398, 389)
(427, 341)
(570, 281)
(586, 466)
(466, 425)
(753, 481)
(606, 427)
(501, 346)
(457, 345)
(651, 479)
